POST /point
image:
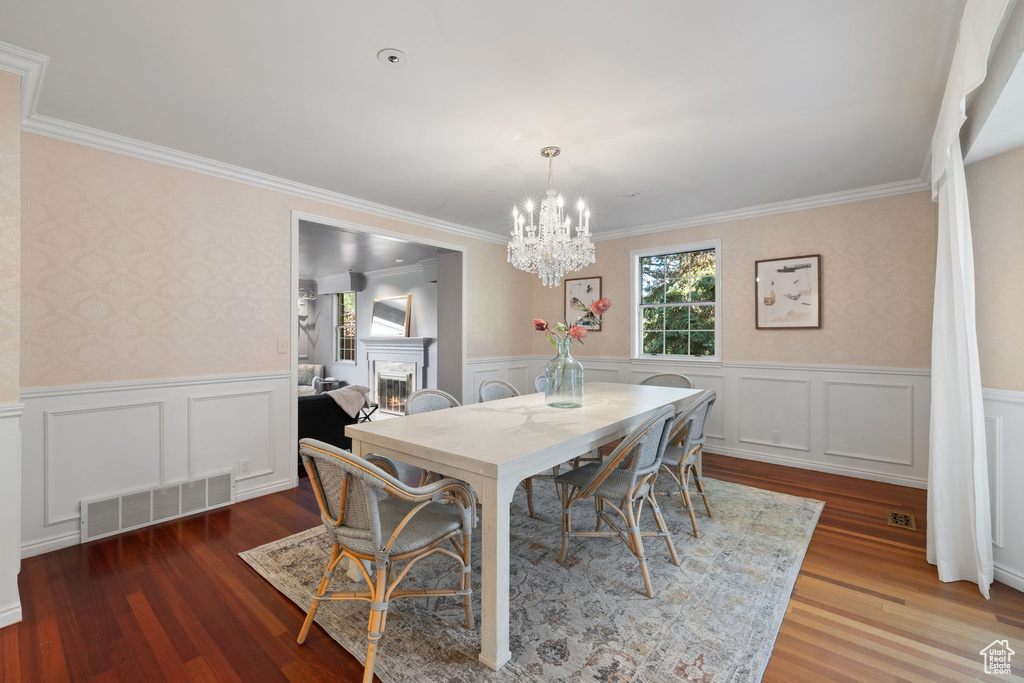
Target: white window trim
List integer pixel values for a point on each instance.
(635, 331)
(337, 334)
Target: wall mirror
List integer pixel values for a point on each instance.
(390, 317)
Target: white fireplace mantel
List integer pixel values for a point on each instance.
(397, 349)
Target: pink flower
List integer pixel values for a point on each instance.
(539, 325)
(600, 306)
(577, 332)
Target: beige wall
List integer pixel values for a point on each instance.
(136, 270)
(10, 234)
(878, 273)
(995, 190)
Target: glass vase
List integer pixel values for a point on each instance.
(564, 376)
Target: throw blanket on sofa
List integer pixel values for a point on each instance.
(351, 399)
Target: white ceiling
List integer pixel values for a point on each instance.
(698, 106)
(327, 251)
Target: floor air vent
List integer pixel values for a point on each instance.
(114, 514)
(901, 519)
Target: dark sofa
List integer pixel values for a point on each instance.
(320, 417)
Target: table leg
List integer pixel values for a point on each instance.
(495, 496)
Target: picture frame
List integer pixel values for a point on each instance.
(587, 290)
(390, 316)
(787, 293)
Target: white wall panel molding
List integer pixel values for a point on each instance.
(882, 424)
(224, 428)
(10, 512)
(868, 422)
(1004, 432)
(86, 441)
(129, 435)
(766, 407)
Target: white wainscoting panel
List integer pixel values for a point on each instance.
(10, 512)
(862, 422)
(227, 428)
(775, 404)
(87, 441)
(129, 435)
(1004, 431)
(870, 421)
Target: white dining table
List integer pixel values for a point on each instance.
(493, 446)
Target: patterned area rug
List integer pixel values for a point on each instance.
(715, 618)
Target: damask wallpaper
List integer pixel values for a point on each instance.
(994, 189)
(136, 270)
(878, 263)
(10, 234)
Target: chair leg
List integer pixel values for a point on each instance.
(467, 579)
(566, 523)
(528, 485)
(662, 527)
(321, 590)
(637, 543)
(700, 488)
(598, 508)
(376, 625)
(684, 492)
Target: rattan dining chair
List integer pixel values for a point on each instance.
(425, 401)
(540, 383)
(684, 451)
(668, 379)
(622, 482)
(495, 390)
(406, 525)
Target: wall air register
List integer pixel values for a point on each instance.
(109, 515)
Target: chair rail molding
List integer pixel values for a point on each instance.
(92, 440)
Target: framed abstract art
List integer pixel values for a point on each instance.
(787, 293)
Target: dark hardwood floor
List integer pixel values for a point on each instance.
(174, 602)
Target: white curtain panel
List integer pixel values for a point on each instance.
(959, 518)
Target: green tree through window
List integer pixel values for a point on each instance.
(347, 326)
(677, 303)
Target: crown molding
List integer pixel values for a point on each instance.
(111, 142)
(790, 205)
(31, 66)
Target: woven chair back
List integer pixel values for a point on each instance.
(690, 428)
(540, 382)
(641, 451)
(668, 379)
(496, 389)
(428, 400)
(343, 481)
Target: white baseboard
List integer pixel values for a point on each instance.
(912, 482)
(11, 614)
(48, 545)
(264, 490)
(1009, 577)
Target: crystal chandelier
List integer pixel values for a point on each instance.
(547, 247)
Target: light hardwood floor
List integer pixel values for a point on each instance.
(174, 602)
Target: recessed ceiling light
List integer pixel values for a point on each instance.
(632, 194)
(392, 57)
(399, 260)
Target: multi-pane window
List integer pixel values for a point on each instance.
(677, 303)
(346, 326)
